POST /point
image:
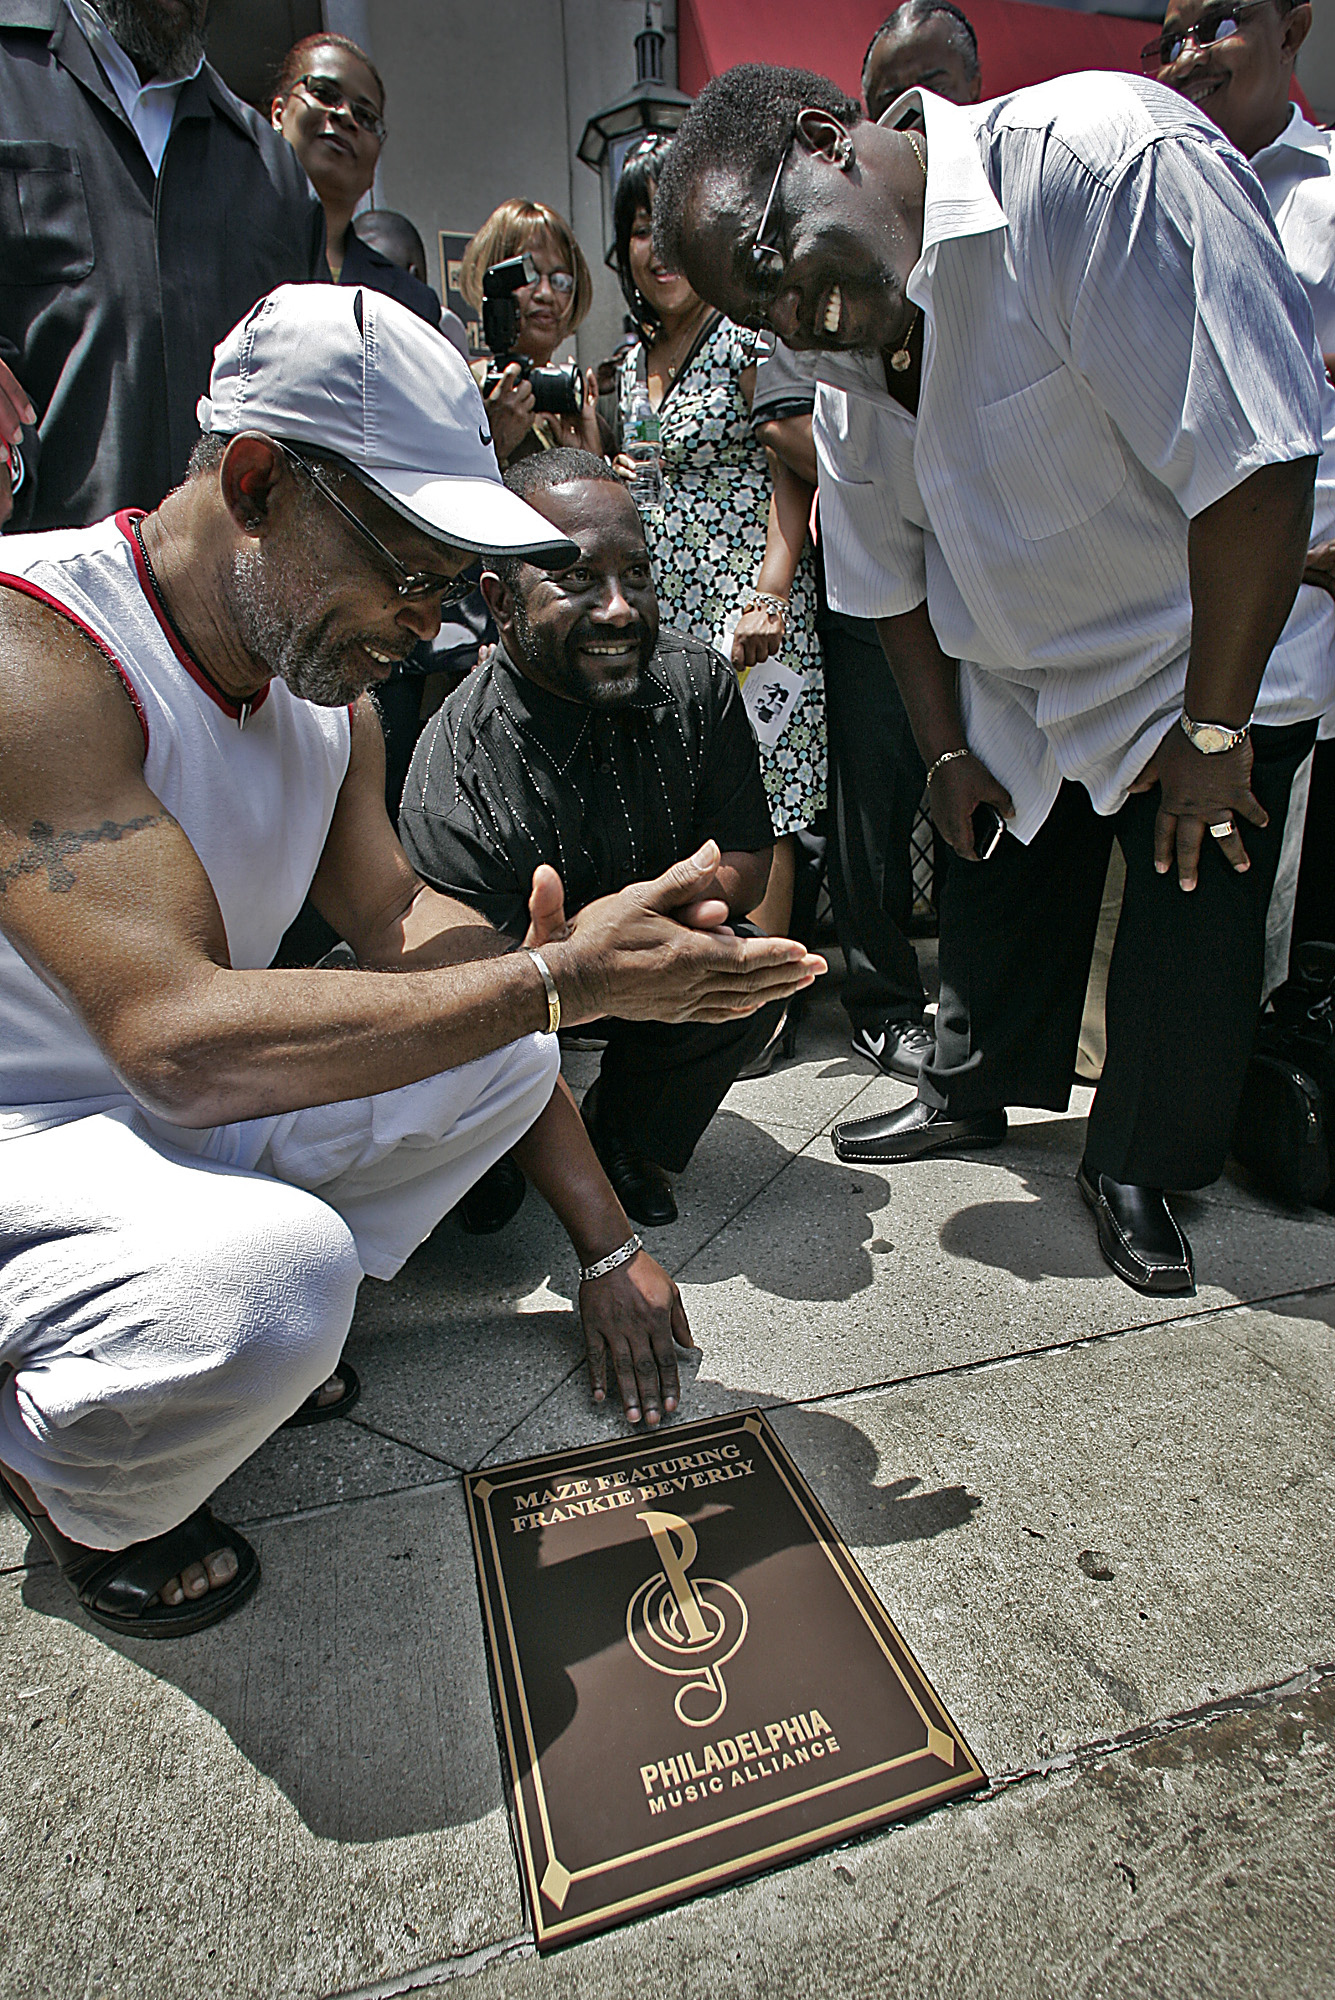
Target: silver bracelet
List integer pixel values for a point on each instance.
(946, 757)
(765, 600)
(630, 1248)
(549, 984)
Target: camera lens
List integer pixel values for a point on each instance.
(558, 392)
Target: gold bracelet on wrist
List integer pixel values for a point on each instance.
(765, 600)
(549, 987)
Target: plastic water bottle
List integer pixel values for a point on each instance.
(642, 443)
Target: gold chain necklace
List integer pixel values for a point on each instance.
(690, 330)
(901, 359)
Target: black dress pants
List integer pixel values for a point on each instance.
(1017, 934)
(1314, 903)
(875, 784)
(660, 1084)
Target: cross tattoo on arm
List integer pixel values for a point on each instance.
(49, 851)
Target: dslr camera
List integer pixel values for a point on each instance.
(557, 391)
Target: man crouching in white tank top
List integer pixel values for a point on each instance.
(201, 1157)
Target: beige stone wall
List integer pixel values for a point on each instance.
(1316, 62)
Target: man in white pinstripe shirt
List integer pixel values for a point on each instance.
(1070, 432)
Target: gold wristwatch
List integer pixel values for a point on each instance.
(1213, 738)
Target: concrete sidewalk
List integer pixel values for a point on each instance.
(1103, 1524)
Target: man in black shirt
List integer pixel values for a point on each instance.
(588, 743)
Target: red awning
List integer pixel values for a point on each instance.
(1017, 43)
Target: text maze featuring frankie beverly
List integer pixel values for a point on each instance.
(696, 1680)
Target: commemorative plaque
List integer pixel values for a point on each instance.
(695, 1680)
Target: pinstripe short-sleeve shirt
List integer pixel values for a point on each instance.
(1114, 340)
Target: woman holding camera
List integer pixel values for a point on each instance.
(731, 557)
(548, 311)
(329, 104)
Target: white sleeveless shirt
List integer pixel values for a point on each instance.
(253, 791)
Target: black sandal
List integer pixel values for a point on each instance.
(118, 1588)
(312, 1412)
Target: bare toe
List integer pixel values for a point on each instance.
(329, 1392)
(194, 1580)
(170, 1593)
(221, 1566)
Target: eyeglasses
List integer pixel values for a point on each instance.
(768, 257)
(324, 91)
(1216, 24)
(561, 283)
(415, 586)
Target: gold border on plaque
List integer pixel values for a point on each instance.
(554, 1881)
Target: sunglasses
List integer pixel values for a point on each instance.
(324, 91)
(414, 586)
(1216, 24)
(768, 257)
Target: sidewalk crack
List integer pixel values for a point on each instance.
(442, 1970)
(1214, 1710)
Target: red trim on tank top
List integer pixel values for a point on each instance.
(21, 583)
(234, 709)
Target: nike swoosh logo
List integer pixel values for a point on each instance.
(876, 1043)
(484, 435)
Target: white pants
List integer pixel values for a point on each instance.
(169, 1297)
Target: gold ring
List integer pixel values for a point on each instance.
(1223, 830)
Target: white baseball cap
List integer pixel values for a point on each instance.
(349, 371)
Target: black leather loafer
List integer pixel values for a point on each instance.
(640, 1185)
(1137, 1234)
(642, 1188)
(898, 1048)
(494, 1200)
(914, 1131)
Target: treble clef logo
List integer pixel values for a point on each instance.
(689, 1628)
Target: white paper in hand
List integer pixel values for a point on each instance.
(771, 695)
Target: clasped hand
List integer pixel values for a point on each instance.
(662, 950)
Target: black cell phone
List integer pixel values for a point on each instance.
(988, 827)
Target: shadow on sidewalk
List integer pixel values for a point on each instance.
(355, 1680)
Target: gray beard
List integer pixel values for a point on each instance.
(165, 51)
(315, 668)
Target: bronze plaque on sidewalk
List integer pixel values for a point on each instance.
(696, 1680)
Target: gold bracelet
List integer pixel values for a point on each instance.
(553, 997)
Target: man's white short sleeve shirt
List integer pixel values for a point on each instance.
(1114, 340)
(1296, 172)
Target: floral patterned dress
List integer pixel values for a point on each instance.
(708, 543)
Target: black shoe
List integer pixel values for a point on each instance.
(781, 1043)
(898, 1048)
(640, 1185)
(494, 1200)
(1137, 1234)
(913, 1131)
